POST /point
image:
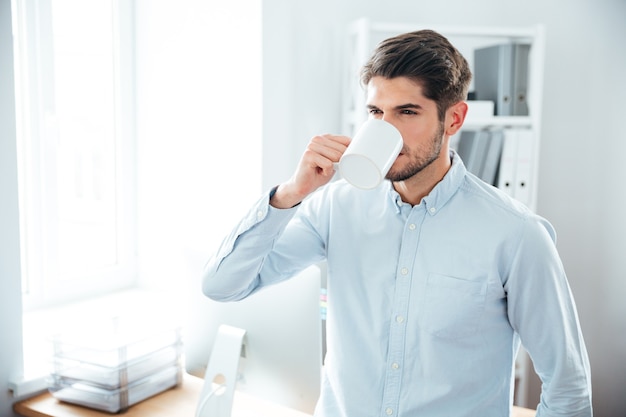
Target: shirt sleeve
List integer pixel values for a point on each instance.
(266, 247)
(542, 310)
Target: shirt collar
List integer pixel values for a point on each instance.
(442, 192)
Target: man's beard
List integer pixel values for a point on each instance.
(417, 163)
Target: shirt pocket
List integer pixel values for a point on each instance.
(452, 306)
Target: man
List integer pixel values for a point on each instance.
(434, 277)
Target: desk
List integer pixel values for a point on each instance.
(180, 402)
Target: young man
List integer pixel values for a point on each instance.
(434, 277)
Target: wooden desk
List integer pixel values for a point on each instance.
(180, 402)
(523, 412)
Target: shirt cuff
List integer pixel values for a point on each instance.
(273, 191)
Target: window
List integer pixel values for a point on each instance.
(76, 144)
(93, 213)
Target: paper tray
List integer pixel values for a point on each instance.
(116, 377)
(113, 347)
(113, 401)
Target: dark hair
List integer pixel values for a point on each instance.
(426, 57)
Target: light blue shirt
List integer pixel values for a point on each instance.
(426, 304)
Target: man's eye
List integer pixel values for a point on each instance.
(374, 111)
(406, 111)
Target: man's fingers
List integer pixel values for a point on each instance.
(329, 146)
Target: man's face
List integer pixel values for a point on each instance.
(400, 102)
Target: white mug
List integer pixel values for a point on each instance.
(371, 154)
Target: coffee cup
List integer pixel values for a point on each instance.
(371, 154)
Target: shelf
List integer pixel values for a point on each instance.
(497, 121)
(453, 30)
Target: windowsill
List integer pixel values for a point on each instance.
(41, 325)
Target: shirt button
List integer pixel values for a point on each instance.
(412, 226)
(404, 271)
(400, 319)
(395, 366)
(432, 209)
(259, 214)
(389, 411)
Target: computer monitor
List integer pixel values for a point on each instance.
(282, 356)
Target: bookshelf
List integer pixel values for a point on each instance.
(362, 37)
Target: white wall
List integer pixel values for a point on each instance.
(10, 281)
(199, 132)
(581, 178)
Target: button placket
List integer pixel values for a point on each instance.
(398, 328)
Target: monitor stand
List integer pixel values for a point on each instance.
(216, 399)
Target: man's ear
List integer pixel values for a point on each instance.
(455, 116)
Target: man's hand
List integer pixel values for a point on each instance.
(314, 170)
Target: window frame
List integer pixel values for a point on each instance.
(36, 153)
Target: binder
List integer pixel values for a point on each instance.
(501, 75)
(472, 148)
(493, 155)
(524, 182)
(521, 52)
(508, 162)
